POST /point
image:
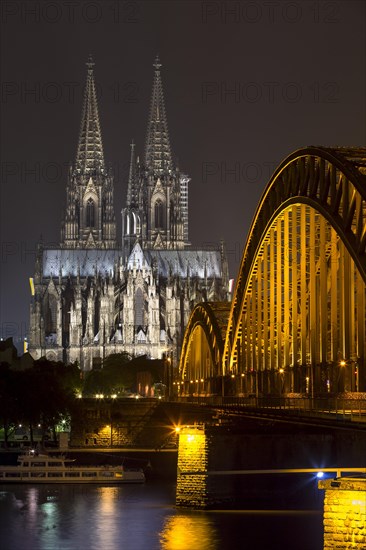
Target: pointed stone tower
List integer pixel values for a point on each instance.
(156, 213)
(165, 275)
(89, 219)
(158, 155)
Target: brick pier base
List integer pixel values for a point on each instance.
(344, 513)
(200, 451)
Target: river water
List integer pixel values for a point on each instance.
(142, 517)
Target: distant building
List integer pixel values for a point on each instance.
(9, 355)
(93, 296)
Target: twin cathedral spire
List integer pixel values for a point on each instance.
(94, 296)
(156, 211)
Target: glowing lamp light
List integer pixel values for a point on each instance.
(190, 438)
(319, 475)
(177, 429)
(342, 363)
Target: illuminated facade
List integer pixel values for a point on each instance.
(92, 296)
(297, 322)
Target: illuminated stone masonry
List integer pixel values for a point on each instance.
(344, 513)
(94, 296)
(203, 448)
(192, 463)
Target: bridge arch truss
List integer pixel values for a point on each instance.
(298, 316)
(202, 350)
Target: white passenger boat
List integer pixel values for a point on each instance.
(40, 468)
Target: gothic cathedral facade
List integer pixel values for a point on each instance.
(96, 295)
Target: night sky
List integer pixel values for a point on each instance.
(245, 83)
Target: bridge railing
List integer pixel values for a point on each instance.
(335, 407)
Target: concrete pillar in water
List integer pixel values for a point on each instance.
(344, 513)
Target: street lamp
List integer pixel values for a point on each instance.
(281, 371)
(342, 365)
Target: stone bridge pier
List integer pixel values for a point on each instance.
(225, 465)
(344, 513)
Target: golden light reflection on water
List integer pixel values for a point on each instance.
(189, 531)
(108, 497)
(107, 528)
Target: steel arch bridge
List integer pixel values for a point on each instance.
(297, 322)
(203, 348)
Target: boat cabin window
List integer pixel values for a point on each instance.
(55, 464)
(39, 464)
(25, 463)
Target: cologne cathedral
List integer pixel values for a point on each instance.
(97, 294)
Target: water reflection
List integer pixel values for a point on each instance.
(191, 530)
(139, 518)
(106, 527)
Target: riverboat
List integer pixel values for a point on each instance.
(41, 468)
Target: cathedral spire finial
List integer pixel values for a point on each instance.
(158, 155)
(90, 155)
(90, 63)
(157, 63)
